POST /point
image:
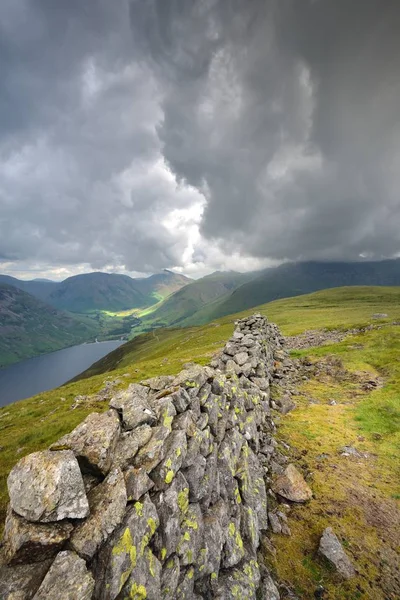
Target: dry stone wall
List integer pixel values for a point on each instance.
(165, 496)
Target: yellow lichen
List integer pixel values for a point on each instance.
(169, 476)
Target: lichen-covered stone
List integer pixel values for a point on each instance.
(118, 556)
(93, 441)
(107, 507)
(26, 542)
(332, 550)
(67, 579)
(192, 529)
(195, 478)
(240, 358)
(21, 582)
(240, 582)
(180, 400)
(291, 485)
(194, 445)
(193, 377)
(175, 452)
(144, 582)
(158, 383)
(216, 522)
(172, 506)
(249, 527)
(134, 407)
(187, 422)
(170, 578)
(251, 484)
(129, 444)
(137, 483)
(234, 548)
(48, 486)
(185, 589)
(153, 452)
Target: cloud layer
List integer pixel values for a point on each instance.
(197, 134)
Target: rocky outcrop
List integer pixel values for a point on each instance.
(165, 496)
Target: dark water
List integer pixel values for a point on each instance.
(35, 375)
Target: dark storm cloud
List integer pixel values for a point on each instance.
(82, 178)
(285, 114)
(118, 119)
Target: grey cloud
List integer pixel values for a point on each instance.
(280, 115)
(285, 113)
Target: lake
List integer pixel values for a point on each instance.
(48, 371)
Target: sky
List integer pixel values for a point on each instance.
(197, 135)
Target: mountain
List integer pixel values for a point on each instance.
(188, 300)
(293, 279)
(161, 285)
(29, 327)
(101, 291)
(40, 288)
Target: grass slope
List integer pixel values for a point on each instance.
(29, 327)
(294, 279)
(349, 495)
(184, 303)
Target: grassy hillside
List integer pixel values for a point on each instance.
(294, 279)
(29, 327)
(349, 494)
(40, 288)
(184, 303)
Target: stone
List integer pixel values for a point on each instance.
(332, 550)
(251, 484)
(134, 407)
(192, 529)
(129, 444)
(67, 579)
(158, 383)
(241, 358)
(267, 589)
(274, 522)
(292, 486)
(107, 508)
(137, 483)
(285, 404)
(193, 377)
(233, 551)
(117, 558)
(21, 582)
(153, 452)
(174, 453)
(93, 441)
(215, 530)
(185, 589)
(180, 400)
(145, 579)
(170, 578)
(187, 422)
(172, 506)
(194, 475)
(241, 582)
(48, 486)
(26, 542)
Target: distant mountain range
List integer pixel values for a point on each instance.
(101, 291)
(32, 322)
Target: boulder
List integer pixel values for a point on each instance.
(129, 444)
(26, 542)
(107, 504)
(144, 582)
(170, 578)
(152, 453)
(67, 579)
(137, 483)
(93, 441)
(241, 358)
(332, 550)
(292, 486)
(134, 407)
(21, 582)
(48, 486)
(175, 452)
(118, 557)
